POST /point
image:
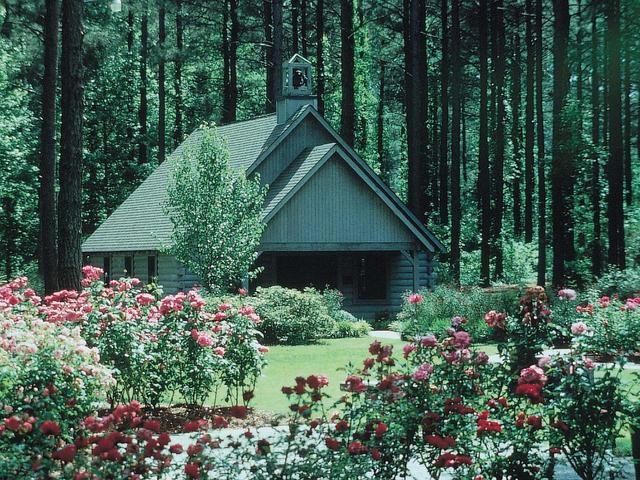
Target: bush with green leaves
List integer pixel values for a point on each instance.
(443, 303)
(216, 214)
(625, 283)
(292, 316)
(351, 329)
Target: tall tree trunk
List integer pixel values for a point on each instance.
(143, 157)
(70, 196)
(561, 162)
(579, 68)
(416, 99)
(516, 132)
(383, 161)
(304, 41)
(129, 173)
(10, 234)
(320, 55)
(529, 127)
(628, 172)
(267, 19)
(230, 50)
(444, 125)
(596, 251)
(162, 94)
(177, 76)
(434, 170)
(498, 166)
(278, 48)
(456, 210)
(615, 199)
(463, 114)
(47, 203)
(347, 52)
(542, 190)
(484, 178)
(295, 29)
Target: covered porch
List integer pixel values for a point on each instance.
(372, 278)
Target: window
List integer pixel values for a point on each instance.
(128, 266)
(152, 269)
(371, 276)
(106, 266)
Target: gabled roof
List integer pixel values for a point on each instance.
(289, 181)
(140, 223)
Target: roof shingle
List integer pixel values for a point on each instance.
(139, 223)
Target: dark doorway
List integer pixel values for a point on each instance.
(371, 276)
(300, 271)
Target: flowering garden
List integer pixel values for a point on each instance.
(83, 374)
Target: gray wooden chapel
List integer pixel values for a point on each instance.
(330, 220)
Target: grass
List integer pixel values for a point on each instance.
(327, 357)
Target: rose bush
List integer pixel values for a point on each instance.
(608, 326)
(49, 380)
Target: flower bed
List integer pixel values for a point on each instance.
(439, 402)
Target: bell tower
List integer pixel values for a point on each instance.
(297, 87)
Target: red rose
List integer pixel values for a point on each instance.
(176, 448)
(49, 427)
(375, 454)
(153, 425)
(316, 382)
(356, 448)
(13, 423)
(332, 443)
(65, 454)
(381, 429)
(238, 411)
(192, 470)
(342, 426)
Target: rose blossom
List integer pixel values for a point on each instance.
(567, 294)
(429, 340)
(579, 328)
(415, 299)
(423, 372)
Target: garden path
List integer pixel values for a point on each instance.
(417, 471)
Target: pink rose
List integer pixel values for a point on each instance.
(205, 340)
(579, 328)
(415, 299)
(567, 294)
(423, 372)
(429, 340)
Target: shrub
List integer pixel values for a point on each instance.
(625, 283)
(49, 380)
(444, 303)
(349, 328)
(608, 326)
(292, 316)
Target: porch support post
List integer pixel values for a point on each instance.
(412, 256)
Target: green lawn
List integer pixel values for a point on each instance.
(328, 357)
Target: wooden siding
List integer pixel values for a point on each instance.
(308, 133)
(335, 206)
(400, 283)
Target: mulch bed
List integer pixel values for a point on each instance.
(173, 418)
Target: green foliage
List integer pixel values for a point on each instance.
(292, 316)
(443, 303)
(520, 260)
(589, 412)
(216, 214)
(624, 283)
(349, 329)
